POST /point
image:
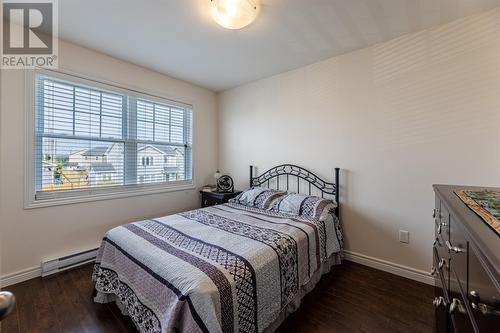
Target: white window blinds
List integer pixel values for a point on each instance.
(90, 136)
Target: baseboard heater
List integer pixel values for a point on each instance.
(60, 264)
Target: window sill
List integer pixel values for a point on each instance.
(32, 203)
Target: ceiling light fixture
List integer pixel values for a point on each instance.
(234, 14)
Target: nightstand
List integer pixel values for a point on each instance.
(216, 198)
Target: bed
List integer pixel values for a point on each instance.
(225, 268)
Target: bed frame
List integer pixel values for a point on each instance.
(286, 175)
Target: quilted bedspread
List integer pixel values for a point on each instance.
(226, 268)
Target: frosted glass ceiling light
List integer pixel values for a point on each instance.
(234, 14)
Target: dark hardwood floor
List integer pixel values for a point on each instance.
(351, 298)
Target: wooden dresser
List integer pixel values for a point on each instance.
(466, 266)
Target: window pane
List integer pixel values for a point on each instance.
(162, 132)
(177, 134)
(145, 111)
(87, 124)
(177, 125)
(159, 163)
(161, 122)
(162, 114)
(59, 95)
(144, 131)
(57, 121)
(177, 117)
(111, 127)
(75, 164)
(87, 100)
(80, 111)
(112, 105)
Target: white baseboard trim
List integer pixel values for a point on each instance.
(20, 276)
(383, 265)
(390, 267)
(31, 273)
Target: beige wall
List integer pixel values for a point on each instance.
(397, 117)
(28, 236)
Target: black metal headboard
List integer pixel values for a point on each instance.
(293, 174)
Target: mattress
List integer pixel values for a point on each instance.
(226, 268)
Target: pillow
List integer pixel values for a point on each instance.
(258, 197)
(304, 205)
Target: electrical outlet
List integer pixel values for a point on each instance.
(404, 236)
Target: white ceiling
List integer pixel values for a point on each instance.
(179, 38)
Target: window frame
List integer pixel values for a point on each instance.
(64, 197)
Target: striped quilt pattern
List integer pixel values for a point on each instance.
(227, 268)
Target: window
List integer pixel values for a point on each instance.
(92, 138)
